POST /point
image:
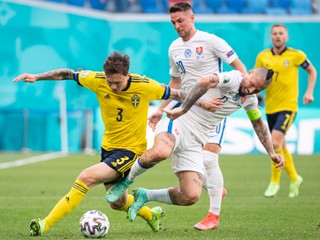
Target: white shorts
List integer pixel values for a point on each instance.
(187, 154)
(218, 135)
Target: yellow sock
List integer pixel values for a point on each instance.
(289, 165)
(144, 212)
(66, 204)
(275, 172)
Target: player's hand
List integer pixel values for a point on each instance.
(212, 105)
(174, 113)
(154, 118)
(279, 159)
(26, 78)
(308, 98)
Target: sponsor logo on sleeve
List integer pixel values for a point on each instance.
(230, 53)
(84, 73)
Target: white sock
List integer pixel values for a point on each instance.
(214, 181)
(159, 195)
(136, 170)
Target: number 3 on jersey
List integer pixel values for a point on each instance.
(181, 67)
(119, 116)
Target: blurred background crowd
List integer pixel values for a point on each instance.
(268, 7)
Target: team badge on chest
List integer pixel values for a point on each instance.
(187, 53)
(135, 100)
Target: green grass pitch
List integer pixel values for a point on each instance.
(31, 191)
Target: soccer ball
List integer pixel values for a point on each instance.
(94, 224)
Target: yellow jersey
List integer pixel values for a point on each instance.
(124, 114)
(283, 92)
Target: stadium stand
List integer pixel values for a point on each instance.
(79, 3)
(268, 7)
(231, 7)
(300, 7)
(200, 6)
(98, 4)
(153, 6)
(214, 5)
(278, 7)
(255, 7)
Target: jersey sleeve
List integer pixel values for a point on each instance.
(222, 49)
(158, 91)
(251, 103)
(301, 58)
(174, 70)
(258, 61)
(88, 79)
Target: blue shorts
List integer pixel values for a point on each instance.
(280, 121)
(120, 160)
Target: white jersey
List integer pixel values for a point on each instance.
(228, 90)
(201, 55)
(192, 130)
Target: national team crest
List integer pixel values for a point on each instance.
(286, 64)
(135, 100)
(199, 50)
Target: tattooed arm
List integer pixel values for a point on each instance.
(265, 139)
(58, 74)
(192, 97)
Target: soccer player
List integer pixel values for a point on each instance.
(282, 101)
(194, 54)
(124, 100)
(186, 135)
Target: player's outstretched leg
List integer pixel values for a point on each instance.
(37, 227)
(154, 223)
(116, 190)
(294, 187)
(140, 199)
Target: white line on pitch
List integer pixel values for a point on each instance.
(30, 160)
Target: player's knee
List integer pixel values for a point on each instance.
(190, 199)
(86, 178)
(276, 144)
(155, 155)
(160, 154)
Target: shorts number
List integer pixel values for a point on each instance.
(285, 123)
(122, 160)
(218, 128)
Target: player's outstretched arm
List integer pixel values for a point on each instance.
(195, 92)
(265, 138)
(58, 74)
(154, 118)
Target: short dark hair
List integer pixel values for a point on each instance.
(116, 63)
(180, 7)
